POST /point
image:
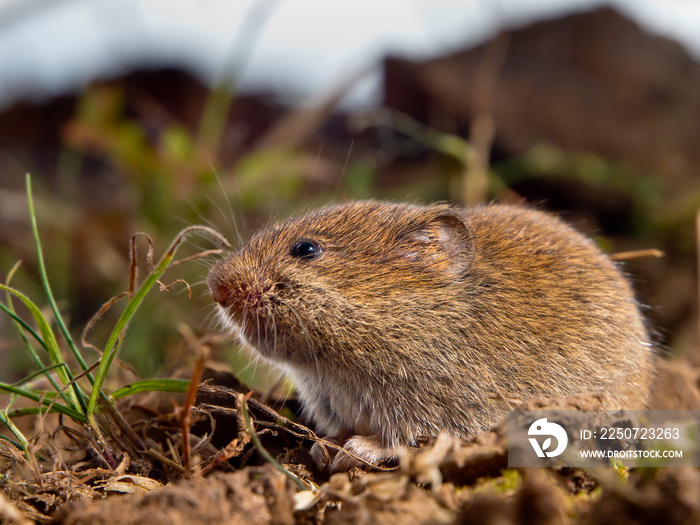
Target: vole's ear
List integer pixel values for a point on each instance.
(443, 239)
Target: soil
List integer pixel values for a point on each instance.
(444, 481)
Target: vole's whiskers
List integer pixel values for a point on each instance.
(201, 215)
(230, 220)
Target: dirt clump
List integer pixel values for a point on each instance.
(253, 496)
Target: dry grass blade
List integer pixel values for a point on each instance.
(200, 255)
(282, 423)
(69, 384)
(133, 439)
(167, 287)
(306, 433)
(248, 425)
(303, 431)
(100, 313)
(637, 254)
(133, 260)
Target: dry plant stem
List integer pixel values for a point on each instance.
(260, 407)
(75, 436)
(256, 441)
(697, 233)
(167, 287)
(101, 451)
(304, 433)
(206, 441)
(236, 445)
(299, 431)
(270, 412)
(133, 260)
(91, 323)
(53, 401)
(123, 425)
(186, 410)
(637, 254)
(200, 255)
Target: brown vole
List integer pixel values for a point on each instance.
(397, 321)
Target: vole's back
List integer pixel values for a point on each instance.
(563, 310)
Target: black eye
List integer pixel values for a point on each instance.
(305, 250)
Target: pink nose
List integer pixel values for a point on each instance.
(221, 294)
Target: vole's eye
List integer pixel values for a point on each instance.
(305, 250)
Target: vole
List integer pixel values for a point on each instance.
(397, 321)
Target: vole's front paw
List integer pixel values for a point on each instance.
(369, 448)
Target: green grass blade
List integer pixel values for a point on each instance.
(47, 288)
(74, 393)
(30, 411)
(23, 327)
(75, 415)
(152, 385)
(44, 371)
(115, 338)
(21, 323)
(22, 444)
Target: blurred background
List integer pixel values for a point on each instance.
(150, 115)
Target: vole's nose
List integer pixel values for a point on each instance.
(221, 294)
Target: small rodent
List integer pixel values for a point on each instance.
(397, 321)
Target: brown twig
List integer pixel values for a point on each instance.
(124, 427)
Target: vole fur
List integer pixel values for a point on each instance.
(412, 320)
